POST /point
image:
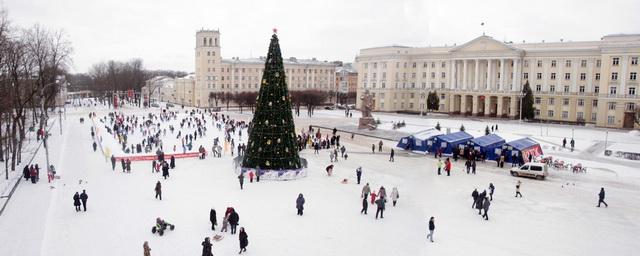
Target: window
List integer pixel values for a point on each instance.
(581, 89)
(598, 63)
(526, 64)
(581, 102)
(614, 75)
(613, 90)
(632, 91)
(538, 87)
(375, 65)
(583, 63)
(611, 120)
(384, 75)
(552, 88)
(565, 114)
(630, 106)
(616, 61)
(433, 65)
(441, 85)
(537, 112)
(553, 76)
(580, 115)
(594, 116)
(597, 76)
(433, 74)
(413, 65)
(634, 61)
(366, 65)
(611, 106)
(567, 76)
(424, 74)
(411, 95)
(443, 75)
(595, 103)
(442, 96)
(565, 101)
(633, 76)
(552, 101)
(424, 85)
(539, 76)
(566, 88)
(539, 63)
(443, 65)
(413, 75)
(550, 113)
(553, 63)
(596, 89)
(567, 63)
(525, 75)
(537, 100)
(583, 76)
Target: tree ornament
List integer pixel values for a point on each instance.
(268, 142)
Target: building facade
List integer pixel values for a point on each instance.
(346, 83)
(591, 82)
(214, 74)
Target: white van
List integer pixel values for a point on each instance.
(533, 170)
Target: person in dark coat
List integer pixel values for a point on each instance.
(213, 219)
(206, 247)
(76, 201)
(601, 198)
(473, 167)
(158, 190)
(165, 170)
(359, 173)
(234, 218)
(474, 195)
(365, 205)
(485, 206)
(479, 201)
(244, 240)
(300, 204)
(95, 146)
(391, 155)
(491, 189)
(25, 172)
(172, 162)
(124, 165)
(84, 198)
(241, 179)
(33, 174)
(113, 163)
(432, 227)
(153, 166)
(380, 203)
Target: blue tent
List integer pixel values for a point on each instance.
(520, 150)
(423, 140)
(487, 146)
(449, 142)
(406, 143)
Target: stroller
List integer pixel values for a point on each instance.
(161, 226)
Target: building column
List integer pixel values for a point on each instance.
(623, 75)
(476, 75)
(514, 79)
(463, 104)
(501, 86)
(452, 69)
(487, 105)
(512, 107)
(451, 98)
(499, 107)
(474, 105)
(464, 75)
(488, 74)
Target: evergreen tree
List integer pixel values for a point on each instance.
(486, 131)
(438, 126)
(433, 101)
(527, 103)
(272, 140)
(462, 128)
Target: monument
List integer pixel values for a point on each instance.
(367, 121)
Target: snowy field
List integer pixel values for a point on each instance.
(555, 217)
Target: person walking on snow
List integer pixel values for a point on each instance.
(380, 210)
(225, 223)
(113, 163)
(365, 206)
(241, 179)
(153, 166)
(83, 198)
(165, 170)
(373, 197)
(518, 189)
(447, 166)
(213, 219)
(206, 247)
(573, 144)
(394, 196)
(146, 249)
(251, 177)
(76, 201)
(95, 146)
(564, 142)
(158, 190)
(365, 191)
(485, 206)
(234, 219)
(359, 173)
(491, 189)
(432, 227)
(601, 198)
(382, 193)
(380, 146)
(391, 154)
(244, 240)
(474, 195)
(300, 204)
(440, 165)
(373, 148)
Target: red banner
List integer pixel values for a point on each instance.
(535, 151)
(155, 157)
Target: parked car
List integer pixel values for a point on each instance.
(155, 105)
(170, 105)
(533, 170)
(329, 108)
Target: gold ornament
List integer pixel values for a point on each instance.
(268, 142)
(270, 104)
(278, 140)
(267, 163)
(277, 74)
(266, 121)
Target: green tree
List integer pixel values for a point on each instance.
(433, 101)
(272, 140)
(527, 103)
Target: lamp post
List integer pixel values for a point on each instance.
(43, 121)
(522, 94)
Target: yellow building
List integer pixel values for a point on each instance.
(592, 81)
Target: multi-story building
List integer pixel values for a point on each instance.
(346, 82)
(160, 88)
(592, 81)
(215, 74)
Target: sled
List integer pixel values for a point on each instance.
(217, 237)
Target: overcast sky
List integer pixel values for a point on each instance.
(162, 32)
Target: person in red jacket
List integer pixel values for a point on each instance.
(447, 166)
(251, 177)
(373, 197)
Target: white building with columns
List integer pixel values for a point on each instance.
(591, 82)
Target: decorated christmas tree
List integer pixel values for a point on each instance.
(272, 141)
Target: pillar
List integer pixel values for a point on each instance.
(474, 105)
(512, 107)
(488, 74)
(487, 105)
(501, 86)
(499, 108)
(464, 75)
(514, 80)
(476, 75)
(452, 71)
(463, 104)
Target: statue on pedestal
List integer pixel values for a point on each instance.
(367, 121)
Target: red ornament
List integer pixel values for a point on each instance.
(275, 30)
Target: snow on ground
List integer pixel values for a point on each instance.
(555, 217)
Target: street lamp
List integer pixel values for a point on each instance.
(522, 94)
(43, 121)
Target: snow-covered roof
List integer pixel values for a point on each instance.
(523, 143)
(285, 61)
(427, 134)
(487, 140)
(456, 136)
